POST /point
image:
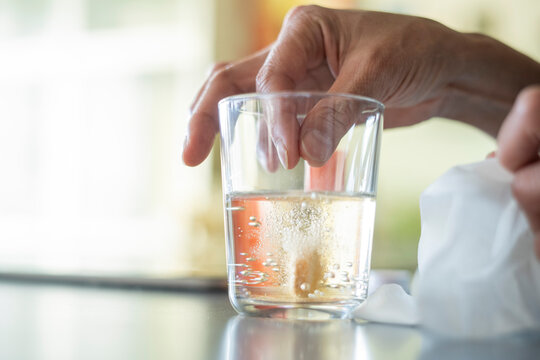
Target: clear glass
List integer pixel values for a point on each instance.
(299, 240)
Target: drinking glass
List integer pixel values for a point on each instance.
(299, 234)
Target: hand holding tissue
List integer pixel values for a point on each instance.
(478, 275)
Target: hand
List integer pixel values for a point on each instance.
(519, 146)
(417, 67)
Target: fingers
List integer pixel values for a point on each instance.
(526, 189)
(324, 126)
(299, 48)
(519, 145)
(331, 118)
(215, 68)
(226, 80)
(266, 151)
(519, 137)
(283, 125)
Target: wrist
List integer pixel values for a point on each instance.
(486, 77)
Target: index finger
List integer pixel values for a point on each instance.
(238, 77)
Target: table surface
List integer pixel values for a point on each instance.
(55, 321)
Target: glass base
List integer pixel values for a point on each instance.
(296, 311)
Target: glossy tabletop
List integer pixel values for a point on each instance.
(47, 321)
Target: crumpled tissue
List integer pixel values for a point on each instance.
(477, 271)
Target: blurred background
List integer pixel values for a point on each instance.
(94, 97)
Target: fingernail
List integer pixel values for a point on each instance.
(282, 154)
(317, 147)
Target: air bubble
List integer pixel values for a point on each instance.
(304, 286)
(243, 254)
(236, 208)
(273, 263)
(313, 195)
(250, 259)
(275, 269)
(269, 254)
(252, 218)
(311, 296)
(254, 223)
(348, 264)
(303, 205)
(329, 275)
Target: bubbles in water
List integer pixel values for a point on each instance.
(329, 275)
(238, 265)
(236, 208)
(254, 277)
(316, 228)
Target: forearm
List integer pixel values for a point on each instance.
(488, 77)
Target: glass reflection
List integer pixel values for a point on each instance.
(261, 338)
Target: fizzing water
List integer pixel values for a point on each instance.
(310, 250)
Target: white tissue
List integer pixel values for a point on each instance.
(478, 274)
(388, 304)
(477, 271)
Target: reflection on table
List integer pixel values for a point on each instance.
(47, 321)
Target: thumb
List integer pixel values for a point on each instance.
(332, 117)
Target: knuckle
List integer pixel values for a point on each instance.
(263, 78)
(217, 67)
(220, 76)
(302, 13)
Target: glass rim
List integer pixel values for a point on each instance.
(292, 94)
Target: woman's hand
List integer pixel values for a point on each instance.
(417, 67)
(519, 146)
